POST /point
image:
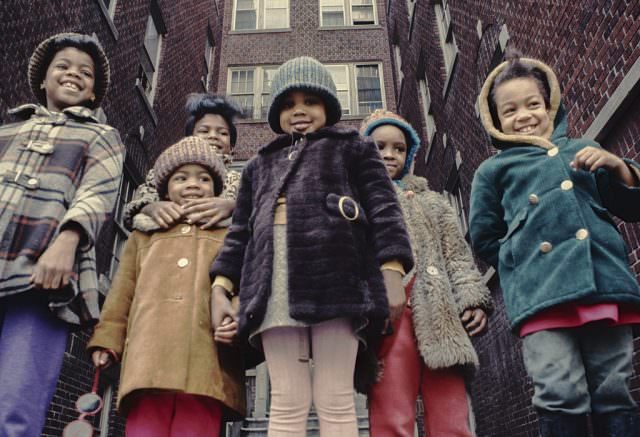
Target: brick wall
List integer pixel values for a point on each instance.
(591, 46)
(24, 24)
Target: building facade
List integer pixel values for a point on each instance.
(442, 53)
(159, 51)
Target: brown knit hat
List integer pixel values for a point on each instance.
(189, 150)
(46, 50)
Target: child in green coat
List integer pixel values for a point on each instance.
(540, 214)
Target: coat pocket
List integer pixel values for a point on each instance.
(506, 255)
(347, 208)
(515, 224)
(604, 214)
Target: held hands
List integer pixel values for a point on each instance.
(55, 266)
(223, 317)
(101, 358)
(474, 321)
(210, 209)
(395, 293)
(592, 158)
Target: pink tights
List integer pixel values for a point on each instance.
(334, 349)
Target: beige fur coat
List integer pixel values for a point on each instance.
(447, 282)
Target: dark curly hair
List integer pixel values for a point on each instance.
(199, 105)
(517, 69)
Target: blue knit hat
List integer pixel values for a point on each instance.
(305, 74)
(380, 117)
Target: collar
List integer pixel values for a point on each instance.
(28, 110)
(326, 132)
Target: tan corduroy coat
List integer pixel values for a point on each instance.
(447, 280)
(157, 319)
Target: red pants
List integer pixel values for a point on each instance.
(392, 401)
(174, 415)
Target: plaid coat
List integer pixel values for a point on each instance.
(55, 168)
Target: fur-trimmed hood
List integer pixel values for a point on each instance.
(557, 113)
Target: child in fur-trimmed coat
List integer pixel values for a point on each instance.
(429, 351)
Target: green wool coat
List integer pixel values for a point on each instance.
(545, 226)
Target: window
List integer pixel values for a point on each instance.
(411, 6)
(251, 88)
(125, 194)
(425, 97)
(150, 55)
(260, 14)
(447, 39)
(359, 87)
(453, 193)
(347, 13)
(397, 57)
(209, 51)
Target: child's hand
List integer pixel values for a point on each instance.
(592, 158)
(395, 293)
(227, 331)
(101, 358)
(165, 213)
(211, 209)
(223, 316)
(474, 321)
(55, 266)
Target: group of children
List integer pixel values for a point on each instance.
(327, 249)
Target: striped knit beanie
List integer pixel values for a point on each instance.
(46, 50)
(304, 74)
(189, 150)
(381, 117)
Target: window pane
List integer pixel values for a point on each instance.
(369, 92)
(362, 12)
(267, 77)
(152, 41)
(246, 16)
(341, 79)
(275, 18)
(242, 82)
(332, 12)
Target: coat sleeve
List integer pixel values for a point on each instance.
(97, 191)
(378, 198)
(228, 263)
(486, 219)
(467, 284)
(145, 194)
(111, 331)
(623, 201)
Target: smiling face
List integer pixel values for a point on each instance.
(302, 112)
(69, 80)
(392, 145)
(521, 108)
(214, 130)
(190, 181)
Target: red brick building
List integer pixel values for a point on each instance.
(443, 50)
(159, 51)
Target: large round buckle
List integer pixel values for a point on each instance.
(355, 207)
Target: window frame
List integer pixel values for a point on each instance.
(126, 191)
(347, 8)
(257, 93)
(149, 66)
(430, 122)
(210, 49)
(260, 8)
(453, 194)
(448, 43)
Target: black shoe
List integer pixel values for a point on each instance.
(617, 424)
(562, 425)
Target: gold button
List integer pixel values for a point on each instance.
(432, 270)
(185, 229)
(32, 182)
(533, 199)
(582, 234)
(552, 152)
(183, 262)
(566, 185)
(545, 247)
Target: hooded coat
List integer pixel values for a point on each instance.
(546, 227)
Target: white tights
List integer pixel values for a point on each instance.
(334, 348)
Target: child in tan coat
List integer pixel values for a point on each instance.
(175, 379)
